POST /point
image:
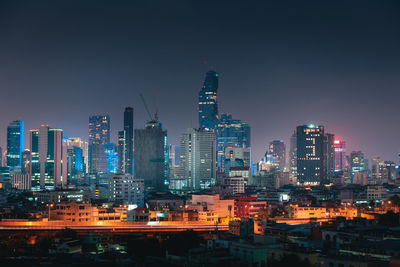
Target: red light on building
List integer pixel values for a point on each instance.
(336, 141)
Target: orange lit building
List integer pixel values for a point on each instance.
(85, 212)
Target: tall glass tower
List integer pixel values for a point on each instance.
(99, 135)
(15, 143)
(128, 128)
(208, 104)
(230, 133)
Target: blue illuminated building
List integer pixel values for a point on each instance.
(15, 143)
(208, 104)
(230, 133)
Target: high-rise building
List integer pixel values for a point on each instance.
(128, 128)
(198, 158)
(357, 162)
(78, 142)
(48, 160)
(75, 163)
(151, 156)
(122, 153)
(99, 135)
(230, 133)
(340, 155)
(26, 162)
(329, 156)
(293, 154)
(208, 104)
(277, 149)
(379, 172)
(112, 157)
(310, 156)
(15, 144)
(126, 189)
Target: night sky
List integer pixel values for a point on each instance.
(281, 64)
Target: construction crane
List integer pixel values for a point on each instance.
(145, 106)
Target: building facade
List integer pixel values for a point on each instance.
(128, 128)
(310, 154)
(126, 189)
(15, 144)
(208, 104)
(48, 159)
(151, 156)
(198, 158)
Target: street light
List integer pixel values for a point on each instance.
(50, 206)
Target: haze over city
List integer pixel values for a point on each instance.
(281, 65)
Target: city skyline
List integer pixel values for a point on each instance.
(284, 63)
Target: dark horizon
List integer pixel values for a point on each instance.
(281, 65)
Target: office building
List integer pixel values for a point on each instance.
(230, 133)
(122, 151)
(329, 156)
(208, 104)
(340, 155)
(293, 154)
(83, 145)
(128, 128)
(151, 156)
(26, 162)
(15, 144)
(198, 158)
(75, 163)
(277, 149)
(310, 156)
(111, 152)
(124, 188)
(21, 181)
(357, 162)
(48, 160)
(99, 135)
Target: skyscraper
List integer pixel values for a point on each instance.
(208, 104)
(99, 135)
(357, 162)
(49, 161)
(151, 156)
(230, 133)
(99, 128)
(122, 153)
(310, 148)
(77, 142)
(15, 143)
(340, 155)
(277, 149)
(75, 163)
(198, 158)
(128, 128)
(293, 154)
(26, 162)
(329, 156)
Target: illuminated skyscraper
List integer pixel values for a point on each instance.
(293, 154)
(128, 128)
(310, 156)
(208, 104)
(121, 151)
(230, 133)
(99, 135)
(198, 158)
(340, 155)
(357, 162)
(26, 162)
(15, 144)
(112, 157)
(329, 156)
(151, 156)
(277, 149)
(75, 163)
(48, 160)
(77, 142)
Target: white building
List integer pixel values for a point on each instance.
(198, 158)
(126, 189)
